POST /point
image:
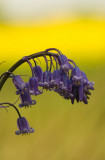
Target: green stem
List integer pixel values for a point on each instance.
(6, 103)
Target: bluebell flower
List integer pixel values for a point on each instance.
(38, 73)
(76, 76)
(64, 80)
(80, 86)
(64, 89)
(25, 97)
(88, 85)
(23, 126)
(18, 82)
(77, 86)
(47, 77)
(56, 79)
(64, 63)
(33, 86)
(23, 91)
(68, 90)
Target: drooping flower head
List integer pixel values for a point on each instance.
(66, 79)
(23, 126)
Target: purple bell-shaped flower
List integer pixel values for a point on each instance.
(88, 85)
(64, 89)
(77, 86)
(63, 62)
(25, 98)
(38, 73)
(47, 77)
(56, 79)
(23, 126)
(18, 82)
(33, 86)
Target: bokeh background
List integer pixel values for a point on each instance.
(63, 131)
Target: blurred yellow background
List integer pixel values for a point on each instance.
(62, 131)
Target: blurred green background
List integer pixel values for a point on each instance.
(62, 131)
